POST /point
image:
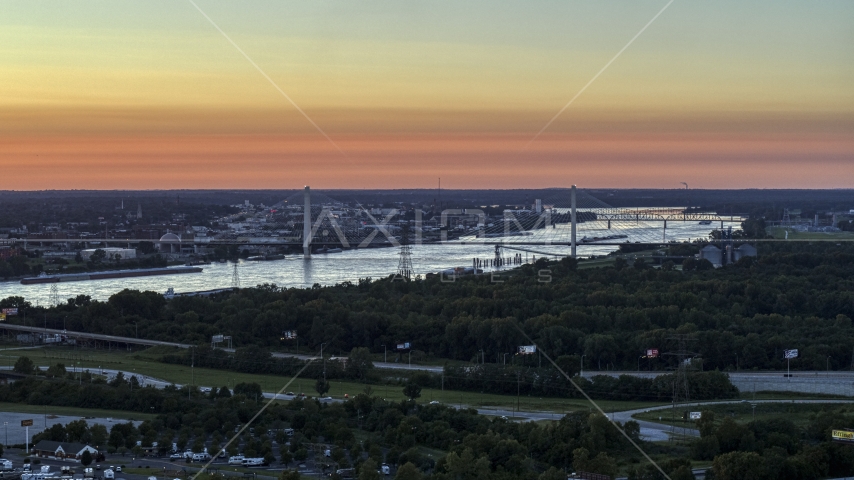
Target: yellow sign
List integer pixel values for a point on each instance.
(844, 435)
(2, 317)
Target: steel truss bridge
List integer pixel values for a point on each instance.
(311, 220)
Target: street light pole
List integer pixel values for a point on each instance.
(639, 362)
(324, 360)
(828, 362)
(582, 367)
(505, 359)
(385, 354)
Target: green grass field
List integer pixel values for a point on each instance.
(145, 363)
(799, 413)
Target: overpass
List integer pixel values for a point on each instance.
(817, 382)
(91, 336)
(155, 343)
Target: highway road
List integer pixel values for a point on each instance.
(744, 377)
(90, 336)
(657, 432)
(815, 382)
(649, 430)
(153, 343)
(837, 375)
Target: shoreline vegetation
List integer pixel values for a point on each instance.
(792, 296)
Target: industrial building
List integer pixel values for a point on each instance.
(121, 253)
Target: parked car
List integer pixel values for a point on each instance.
(176, 456)
(254, 462)
(201, 457)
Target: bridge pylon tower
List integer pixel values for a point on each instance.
(574, 222)
(306, 224)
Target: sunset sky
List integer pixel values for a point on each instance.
(148, 94)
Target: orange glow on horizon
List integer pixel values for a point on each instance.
(414, 161)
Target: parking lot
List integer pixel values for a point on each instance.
(162, 468)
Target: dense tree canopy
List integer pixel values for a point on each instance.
(798, 297)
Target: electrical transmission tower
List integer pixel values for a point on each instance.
(404, 264)
(235, 277)
(681, 391)
(54, 295)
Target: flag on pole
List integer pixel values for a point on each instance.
(790, 353)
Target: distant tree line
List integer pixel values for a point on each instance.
(791, 296)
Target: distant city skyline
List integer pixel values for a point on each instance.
(144, 95)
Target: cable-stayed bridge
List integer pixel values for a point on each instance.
(312, 221)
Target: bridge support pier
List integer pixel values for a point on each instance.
(306, 224)
(574, 222)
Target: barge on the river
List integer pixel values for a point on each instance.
(110, 274)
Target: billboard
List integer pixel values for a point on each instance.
(846, 436)
(404, 346)
(652, 353)
(289, 335)
(217, 339)
(2, 317)
(790, 353)
(694, 415)
(527, 349)
(27, 423)
(10, 311)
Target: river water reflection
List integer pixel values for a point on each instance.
(349, 265)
